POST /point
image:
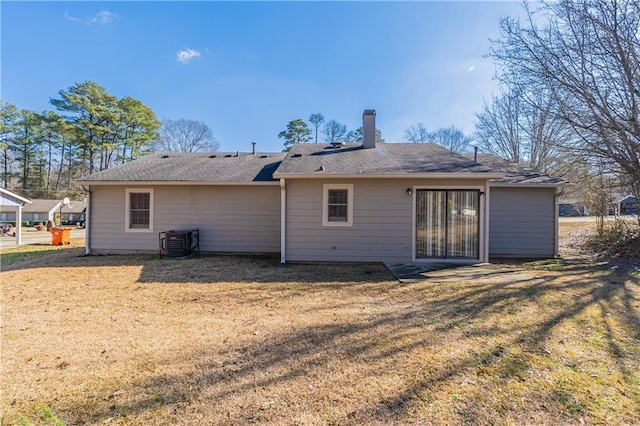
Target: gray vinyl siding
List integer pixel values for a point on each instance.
(522, 222)
(242, 219)
(382, 228)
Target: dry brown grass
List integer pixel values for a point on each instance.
(234, 340)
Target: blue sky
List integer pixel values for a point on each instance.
(247, 68)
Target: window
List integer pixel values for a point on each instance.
(337, 205)
(139, 210)
(447, 224)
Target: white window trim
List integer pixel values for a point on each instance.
(127, 200)
(325, 204)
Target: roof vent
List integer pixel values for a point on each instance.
(264, 156)
(321, 168)
(228, 156)
(213, 156)
(337, 144)
(164, 156)
(296, 155)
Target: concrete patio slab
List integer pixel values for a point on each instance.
(446, 272)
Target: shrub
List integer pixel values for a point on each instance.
(26, 223)
(619, 239)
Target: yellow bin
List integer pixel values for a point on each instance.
(60, 236)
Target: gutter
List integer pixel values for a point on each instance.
(527, 185)
(324, 175)
(173, 183)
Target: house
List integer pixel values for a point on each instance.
(628, 205)
(368, 202)
(523, 213)
(41, 211)
(13, 203)
(73, 213)
(572, 207)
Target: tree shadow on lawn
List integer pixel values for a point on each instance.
(427, 338)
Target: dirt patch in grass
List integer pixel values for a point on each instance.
(234, 340)
(573, 236)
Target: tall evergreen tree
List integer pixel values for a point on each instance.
(8, 118)
(297, 132)
(316, 120)
(93, 112)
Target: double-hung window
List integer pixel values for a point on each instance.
(337, 205)
(139, 210)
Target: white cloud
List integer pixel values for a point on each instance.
(471, 68)
(102, 17)
(184, 56)
(71, 18)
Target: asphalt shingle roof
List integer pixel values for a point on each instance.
(515, 173)
(317, 159)
(42, 205)
(193, 167)
(385, 158)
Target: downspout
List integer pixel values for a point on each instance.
(556, 214)
(487, 185)
(283, 223)
(87, 222)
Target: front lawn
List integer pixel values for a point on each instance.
(234, 340)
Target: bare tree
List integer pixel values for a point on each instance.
(498, 128)
(522, 126)
(334, 131)
(417, 134)
(186, 136)
(451, 138)
(586, 54)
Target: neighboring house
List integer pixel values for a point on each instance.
(368, 202)
(13, 203)
(73, 213)
(44, 210)
(41, 211)
(628, 205)
(568, 208)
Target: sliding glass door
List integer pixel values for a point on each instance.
(447, 224)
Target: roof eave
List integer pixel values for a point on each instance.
(528, 185)
(320, 175)
(170, 183)
(16, 196)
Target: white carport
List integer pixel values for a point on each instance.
(10, 201)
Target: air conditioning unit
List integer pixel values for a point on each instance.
(179, 243)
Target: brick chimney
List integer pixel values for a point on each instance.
(369, 128)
